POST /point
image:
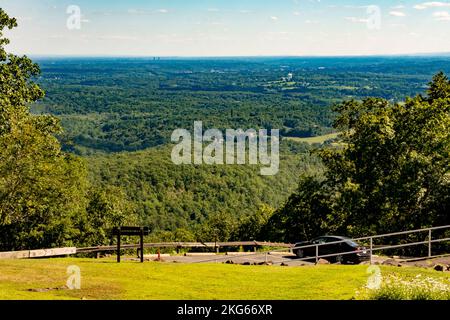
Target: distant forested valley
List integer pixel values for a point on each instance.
(119, 114)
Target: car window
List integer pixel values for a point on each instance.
(352, 243)
(319, 241)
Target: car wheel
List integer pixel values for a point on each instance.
(300, 254)
(340, 259)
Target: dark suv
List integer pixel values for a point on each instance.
(346, 245)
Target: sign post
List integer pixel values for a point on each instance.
(131, 231)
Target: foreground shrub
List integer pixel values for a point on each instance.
(418, 288)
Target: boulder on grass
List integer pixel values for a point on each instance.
(323, 261)
(440, 267)
(392, 262)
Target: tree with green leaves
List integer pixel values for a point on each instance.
(390, 172)
(219, 226)
(41, 188)
(45, 197)
(107, 208)
(439, 88)
(252, 227)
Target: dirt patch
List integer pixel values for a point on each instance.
(48, 289)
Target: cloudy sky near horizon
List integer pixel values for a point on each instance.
(229, 27)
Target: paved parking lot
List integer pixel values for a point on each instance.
(274, 258)
(249, 258)
(280, 258)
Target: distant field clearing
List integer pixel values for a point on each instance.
(313, 140)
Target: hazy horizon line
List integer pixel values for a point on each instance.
(416, 54)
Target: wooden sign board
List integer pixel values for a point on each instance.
(131, 231)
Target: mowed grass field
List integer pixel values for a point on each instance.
(105, 279)
(313, 140)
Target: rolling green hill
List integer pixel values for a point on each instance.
(167, 196)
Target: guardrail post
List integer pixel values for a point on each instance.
(317, 253)
(371, 248)
(118, 245)
(429, 243)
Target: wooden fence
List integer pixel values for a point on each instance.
(214, 246)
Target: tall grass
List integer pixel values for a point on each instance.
(394, 287)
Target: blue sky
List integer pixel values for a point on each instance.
(230, 27)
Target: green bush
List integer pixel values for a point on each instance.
(417, 288)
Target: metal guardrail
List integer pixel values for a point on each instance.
(371, 248)
(286, 246)
(289, 247)
(180, 245)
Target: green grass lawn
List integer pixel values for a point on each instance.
(105, 279)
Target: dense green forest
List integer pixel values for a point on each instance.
(166, 196)
(130, 104)
(94, 153)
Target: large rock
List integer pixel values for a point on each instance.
(440, 267)
(323, 261)
(392, 262)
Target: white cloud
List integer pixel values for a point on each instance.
(274, 18)
(163, 11)
(135, 11)
(397, 14)
(281, 33)
(356, 20)
(432, 4)
(351, 7)
(117, 37)
(441, 16)
(398, 25)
